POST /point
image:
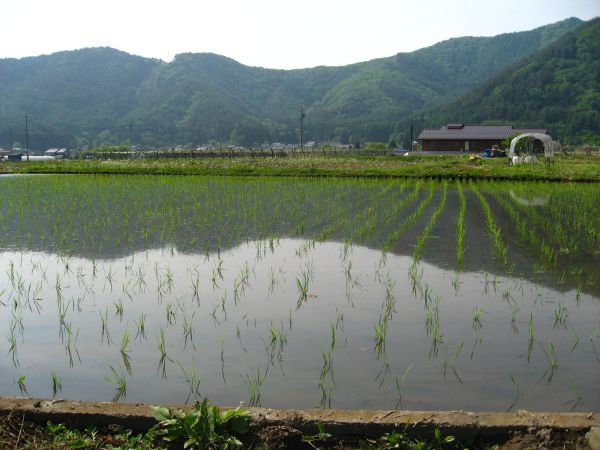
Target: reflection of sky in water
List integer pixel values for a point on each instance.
(478, 360)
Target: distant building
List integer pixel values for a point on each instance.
(311, 144)
(474, 138)
(15, 156)
(58, 153)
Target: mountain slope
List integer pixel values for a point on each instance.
(556, 88)
(91, 97)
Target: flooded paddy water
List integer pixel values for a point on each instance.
(301, 293)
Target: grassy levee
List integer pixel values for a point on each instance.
(565, 168)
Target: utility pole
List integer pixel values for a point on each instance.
(220, 136)
(411, 138)
(130, 140)
(302, 115)
(27, 136)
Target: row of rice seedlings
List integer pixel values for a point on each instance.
(56, 385)
(460, 225)
(526, 231)
(573, 223)
(530, 232)
(380, 203)
(408, 221)
(192, 215)
(343, 219)
(327, 376)
(494, 230)
(386, 314)
(422, 239)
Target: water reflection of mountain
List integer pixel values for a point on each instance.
(111, 217)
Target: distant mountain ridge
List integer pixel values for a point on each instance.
(91, 97)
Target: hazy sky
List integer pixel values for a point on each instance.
(270, 33)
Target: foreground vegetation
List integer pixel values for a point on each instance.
(564, 168)
(208, 427)
(204, 427)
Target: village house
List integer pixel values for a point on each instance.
(469, 138)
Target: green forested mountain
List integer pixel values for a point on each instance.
(90, 97)
(556, 88)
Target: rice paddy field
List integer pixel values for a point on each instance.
(300, 293)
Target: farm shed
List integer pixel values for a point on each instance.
(15, 156)
(474, 138)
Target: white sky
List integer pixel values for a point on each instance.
(280, 34)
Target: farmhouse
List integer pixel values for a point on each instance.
(465, 138)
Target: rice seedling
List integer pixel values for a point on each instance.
(415, 276)
(125, 351)
(67, 344)
(456, 283)
(514, 317)
(254, 384)
(400, 386)
(518, 394)
(22, 386)
(574, 402)
(432, 326)
(578, 293)
(195, 288)
(118, 379)
(561, 313)
(56, 384)
(302, 287)
(222, 355)
(12, 341)
(494, 231)
(193, 381)
(506, 293)
(326, 379)
(531, 337)
(552, 361)
(575, 339)
(104, 325)
(162, 349)
(171, 314)
(188, 331)
(109, 277)
(119, 309)
(141, 326)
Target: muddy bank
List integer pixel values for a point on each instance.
(522, 427)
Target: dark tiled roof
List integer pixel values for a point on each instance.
(476, 132)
